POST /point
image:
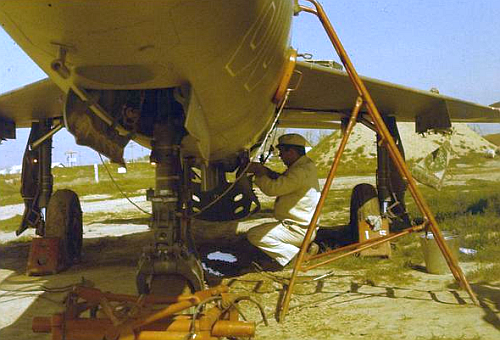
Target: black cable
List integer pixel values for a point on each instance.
(259, 306)
(118, 187)
(192, 328)
(268, 134)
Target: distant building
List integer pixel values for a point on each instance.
(71, 158)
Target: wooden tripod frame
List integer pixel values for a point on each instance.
(364, 99)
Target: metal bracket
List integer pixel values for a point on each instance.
(49, 134)
(59, 64)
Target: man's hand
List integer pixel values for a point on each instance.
(257, 169)
(261, 170)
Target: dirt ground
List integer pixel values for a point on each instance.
(337, 306)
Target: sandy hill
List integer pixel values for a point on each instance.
(362, 143)
(493, 138)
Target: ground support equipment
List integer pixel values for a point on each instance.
(146, 317)
(364, 99)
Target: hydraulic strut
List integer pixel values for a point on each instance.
(36, 179)
(169, 264)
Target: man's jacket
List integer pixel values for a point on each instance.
(297, 191)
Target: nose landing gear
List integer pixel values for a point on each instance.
(169, 266)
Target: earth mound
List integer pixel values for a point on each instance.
(362, 143)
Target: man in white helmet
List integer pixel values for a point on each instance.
(297, 194)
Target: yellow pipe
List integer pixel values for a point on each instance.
(365, 245)
(319, 207)
(394, 153)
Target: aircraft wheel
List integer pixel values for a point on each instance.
(64, 220)
(364, 202)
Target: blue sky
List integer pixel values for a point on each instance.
(453, 45)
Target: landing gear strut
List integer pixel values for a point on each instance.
(391, 186)
(169, 265)
(36, 183)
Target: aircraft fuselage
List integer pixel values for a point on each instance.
(230, 53)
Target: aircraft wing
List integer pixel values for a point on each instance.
(323, 93)
(33, 102)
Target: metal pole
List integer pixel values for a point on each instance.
(366, 245)
(360, 244)
(394, 153)
(49, 134)
(96, 173)
(319, 206)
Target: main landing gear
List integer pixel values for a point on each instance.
(57, 216)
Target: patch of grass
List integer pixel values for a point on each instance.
(348, 166)
(9, 189)
(486, 273)
(324, 146)
(337, 199)
(81, 180)
(10, 224)
(480, 232)
(359, 150)
(435, 337)
(457, 200)
(393, 273)
(473, 212)
(493, 138)
(351, 163)
(471, 158)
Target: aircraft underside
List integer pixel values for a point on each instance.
(184, 187)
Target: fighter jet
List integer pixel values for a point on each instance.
(199, 82)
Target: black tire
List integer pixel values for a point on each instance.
(364, 202)
(64, 220)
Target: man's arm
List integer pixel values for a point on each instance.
(261, 170)
(283, 184)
